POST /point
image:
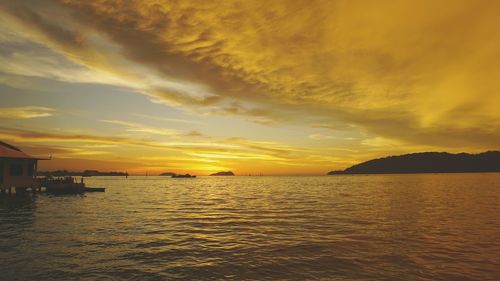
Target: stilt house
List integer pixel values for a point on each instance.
(17, 169)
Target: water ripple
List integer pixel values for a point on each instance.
(391, 227)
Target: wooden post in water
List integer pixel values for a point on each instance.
(20, 190)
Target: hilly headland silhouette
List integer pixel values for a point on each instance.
(168, 174)
(224, 173)
(427, 162)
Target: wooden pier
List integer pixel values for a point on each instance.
(38, 189)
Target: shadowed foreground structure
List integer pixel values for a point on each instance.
(17, 169)
(428, 162)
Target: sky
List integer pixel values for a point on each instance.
(255, 87)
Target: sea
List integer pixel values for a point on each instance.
(346, 227)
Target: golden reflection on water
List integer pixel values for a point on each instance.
(398, 227)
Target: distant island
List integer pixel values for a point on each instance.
(86, 173)
(167, 174)
(227, 173)
(428, 162)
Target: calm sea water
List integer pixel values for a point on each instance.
(378, 227)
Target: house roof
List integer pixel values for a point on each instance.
(10, 151)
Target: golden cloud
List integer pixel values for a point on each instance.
(422, 72)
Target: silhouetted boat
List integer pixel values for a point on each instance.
(183, 176)
(95, 189)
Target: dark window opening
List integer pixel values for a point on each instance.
(31, 170)
(1, 173)
(16, 170)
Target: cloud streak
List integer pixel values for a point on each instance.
(25, 112)
(175, 120)
(141, 128)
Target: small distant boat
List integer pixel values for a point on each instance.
(183, 176)
(67, 185)
(95, 189)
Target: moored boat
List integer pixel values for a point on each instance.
(66, 185)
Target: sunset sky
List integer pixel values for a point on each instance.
(272, 87)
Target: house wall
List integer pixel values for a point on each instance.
(24, 180)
